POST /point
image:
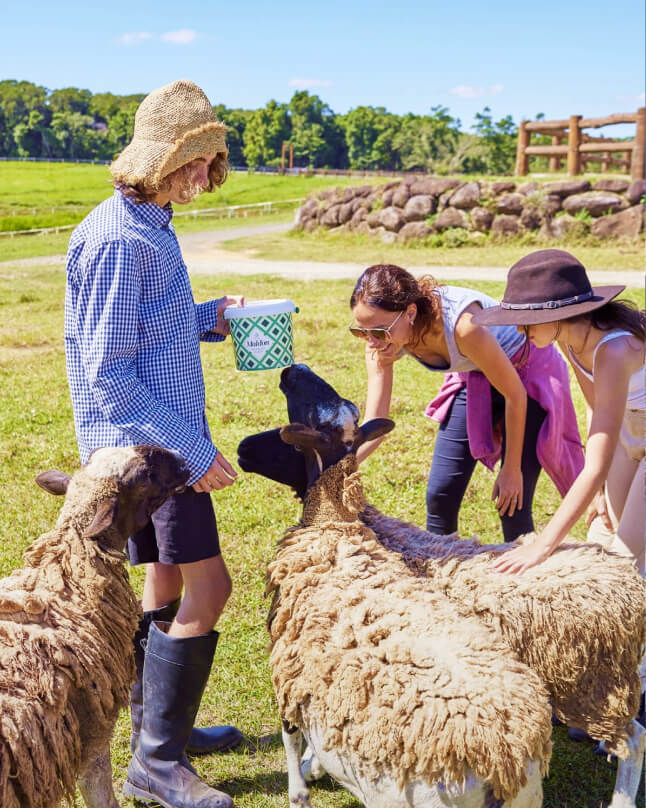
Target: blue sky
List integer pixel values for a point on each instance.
(558, 58)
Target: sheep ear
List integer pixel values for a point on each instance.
(304, 437)
(373, 429)
(54, 482)
(105, 517)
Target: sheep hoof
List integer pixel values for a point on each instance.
(300, 800)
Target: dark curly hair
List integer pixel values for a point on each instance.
(392, 288)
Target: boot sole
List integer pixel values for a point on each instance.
(139, 795)
(143, 796)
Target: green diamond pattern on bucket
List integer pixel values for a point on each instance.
(264, 342)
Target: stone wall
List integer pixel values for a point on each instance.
(418, 207)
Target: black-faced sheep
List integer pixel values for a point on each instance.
(381, 650)
(67, 620)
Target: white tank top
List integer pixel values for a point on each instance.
(636, 387)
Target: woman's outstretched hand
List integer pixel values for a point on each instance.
(516, 561)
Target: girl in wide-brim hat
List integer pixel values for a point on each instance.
(549, 296)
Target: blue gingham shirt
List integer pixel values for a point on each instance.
(132, 334)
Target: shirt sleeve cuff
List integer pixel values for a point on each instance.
(199, 458)
(207, 320)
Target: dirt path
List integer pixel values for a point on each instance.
(203, 255)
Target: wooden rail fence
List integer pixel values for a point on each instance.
(570, 142)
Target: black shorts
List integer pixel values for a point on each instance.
(182, 531)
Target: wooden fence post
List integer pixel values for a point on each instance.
(574, 141)
(637, 162)
(522, 159)
(555, 162)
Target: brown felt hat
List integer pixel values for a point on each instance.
(545, 286)
(173, 125)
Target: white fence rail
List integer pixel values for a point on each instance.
(226, 212)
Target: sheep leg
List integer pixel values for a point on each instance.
(299, 793)
(311, 768)
(629, 771)
(95, 782)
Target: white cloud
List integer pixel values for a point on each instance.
(632, 100)
(134, 38)
(182, 37)
(307, 84)
(467, 91)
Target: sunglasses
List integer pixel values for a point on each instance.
(381, 334)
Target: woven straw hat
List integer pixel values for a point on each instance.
(173, 125)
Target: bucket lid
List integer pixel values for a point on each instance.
(258, 308)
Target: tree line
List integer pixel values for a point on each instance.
(72, 123)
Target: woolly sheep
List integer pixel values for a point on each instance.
(555, 623)
(67, 620)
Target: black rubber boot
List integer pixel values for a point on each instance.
(175, 674)
(201, 741)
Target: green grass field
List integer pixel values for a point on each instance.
(34, 195)
(36, 433)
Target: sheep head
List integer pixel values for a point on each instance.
(323, 428)
(118, 490)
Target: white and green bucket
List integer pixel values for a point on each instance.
(261, 331)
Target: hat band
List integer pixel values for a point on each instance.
(549, 304)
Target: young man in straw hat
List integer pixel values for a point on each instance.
(132, 334)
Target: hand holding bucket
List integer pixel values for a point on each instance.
(262, 334)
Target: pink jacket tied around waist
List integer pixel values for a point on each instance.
(545, 377)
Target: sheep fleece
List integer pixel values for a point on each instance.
(396, 677)
(66, 625)
(577, 619)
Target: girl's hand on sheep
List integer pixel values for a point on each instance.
(222, 327)
(220, 474)
(508, 491)
(599, 507)
(516, 561)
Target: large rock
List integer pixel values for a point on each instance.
(616, 186)
(374, 218)
(359, 215)
(451, 217)
(531, 217)
(506, 225)
(362, 228)
(387, 197)
(635, 192)
(501, 187)
(388, 237)
(363, 190)
(401, 195)
(330, 218)
(419, 207)
(627, 223)
(565, 188)
(567, 225)
(466, 196)
(595, 202)
(528, 187)
(309, 225)
(392, 219)
(433, 186)
(481, 219)
(510, 203)
(413, 230)
(443, 201)
(345, 212)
